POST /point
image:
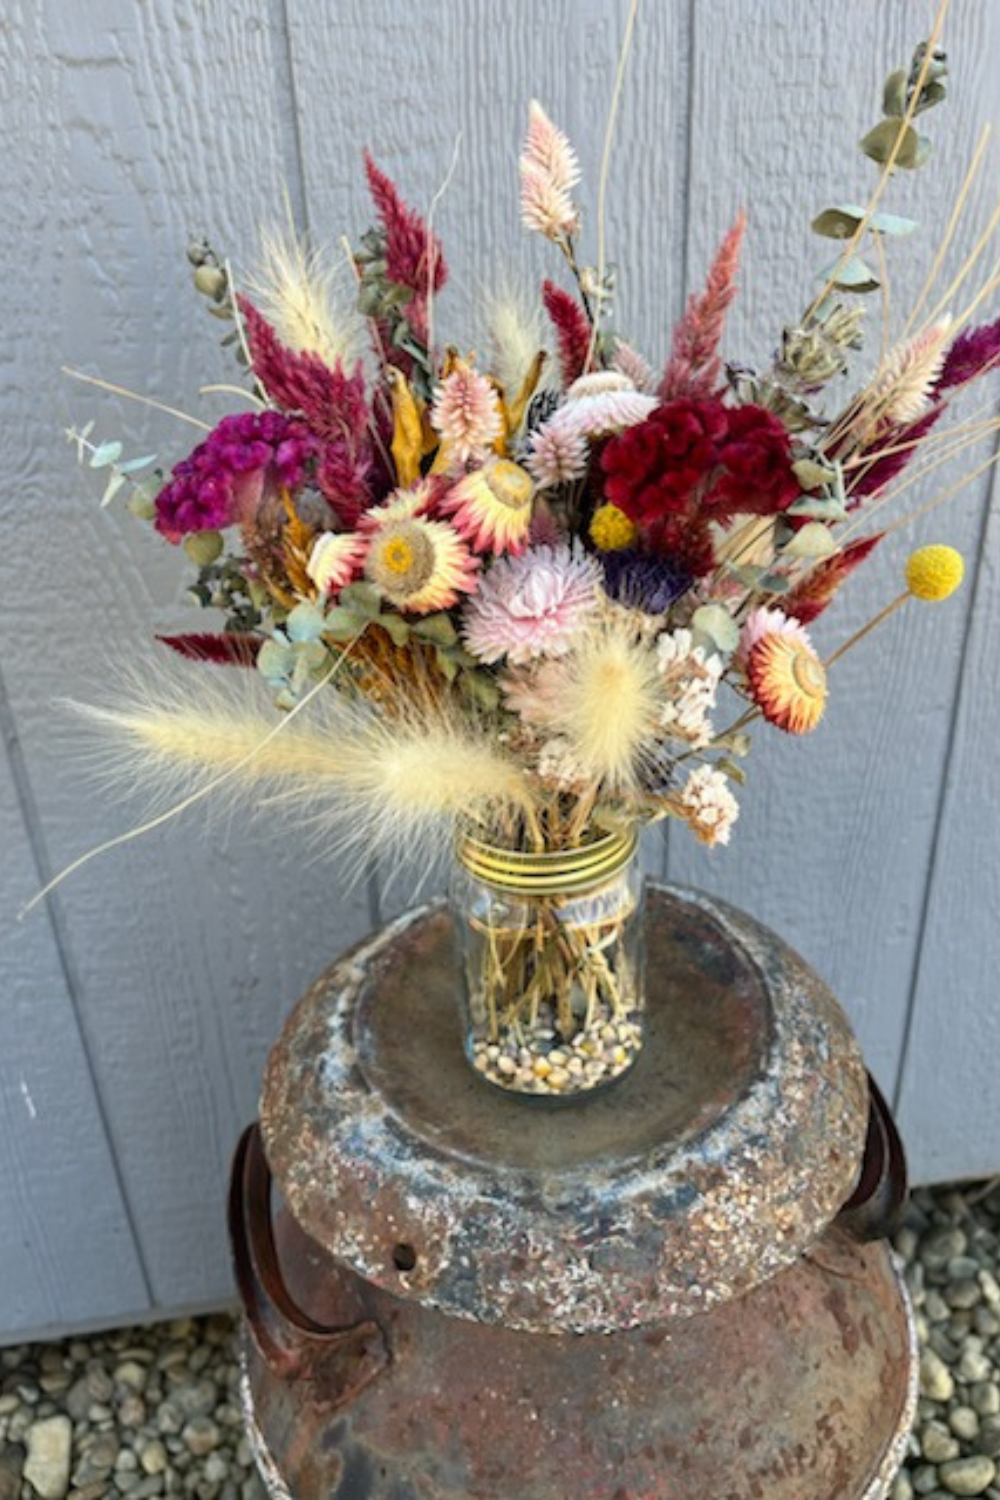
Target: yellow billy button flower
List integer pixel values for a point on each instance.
(934, 573)
(610, 529)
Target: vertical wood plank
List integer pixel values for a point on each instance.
(128, 128)
(66, 1245)
(834, 845)
(948, 1095)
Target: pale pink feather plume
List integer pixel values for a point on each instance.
(694, 368)
(549, 171)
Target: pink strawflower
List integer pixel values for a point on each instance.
(491, 506)
(401, 505)
(532, 605)
(336, 560)
(466, 412)
(420, 566)
(764, 622)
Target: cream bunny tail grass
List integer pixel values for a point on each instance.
(348, 778)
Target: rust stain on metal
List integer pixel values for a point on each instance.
(758, 1398)
(713, 1166)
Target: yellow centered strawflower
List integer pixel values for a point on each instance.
(397, 555)
(611, 529)
(932, 573)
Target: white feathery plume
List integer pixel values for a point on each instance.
(901, 390)
(516, 334)
(298, 289)
(362, 783)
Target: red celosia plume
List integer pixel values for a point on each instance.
(811, 597)
(572, 330)
(224, 649)
(332, 403)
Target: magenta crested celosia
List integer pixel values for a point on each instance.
(531, 605)
(205, 490)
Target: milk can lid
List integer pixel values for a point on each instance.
(714, 1165)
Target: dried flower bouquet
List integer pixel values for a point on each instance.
(539, 599)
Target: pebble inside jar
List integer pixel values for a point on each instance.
(551, 949)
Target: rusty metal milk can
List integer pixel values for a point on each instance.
(647, 1295)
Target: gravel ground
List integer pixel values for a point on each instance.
(155, 1411)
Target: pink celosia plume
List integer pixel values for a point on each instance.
(694, 367)
(549, 171)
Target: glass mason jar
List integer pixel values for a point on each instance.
(552, 958)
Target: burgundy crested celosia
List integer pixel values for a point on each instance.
(694, 367)
(221, 648)
(208, 489)
(810, 597)
(896, 444)
(573, 331)
(975, 352)
(332, 403)
(692, 462)
(414, 258)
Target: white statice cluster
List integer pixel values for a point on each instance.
(708, 806)
(691, 678)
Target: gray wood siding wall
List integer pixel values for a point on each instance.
(137, 1009)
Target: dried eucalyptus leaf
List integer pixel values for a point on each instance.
(105, 453)
(892, 224)
(112, 487)
(438, 629)
(447, 665)
(813, 541)
(396, 628)
(838, 223)
(274, 659)
(481, 689)
(894, 94)
(339, 624)
(306, 622)
(851, 275)
(363, 598)
(819, 508)
(811, 473)
(716, 623)
(880, 143)
(774, 583)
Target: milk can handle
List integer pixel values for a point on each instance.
(341, 1361)
(873, 1207)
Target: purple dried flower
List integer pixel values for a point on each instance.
(205, 489)
(650, 584)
